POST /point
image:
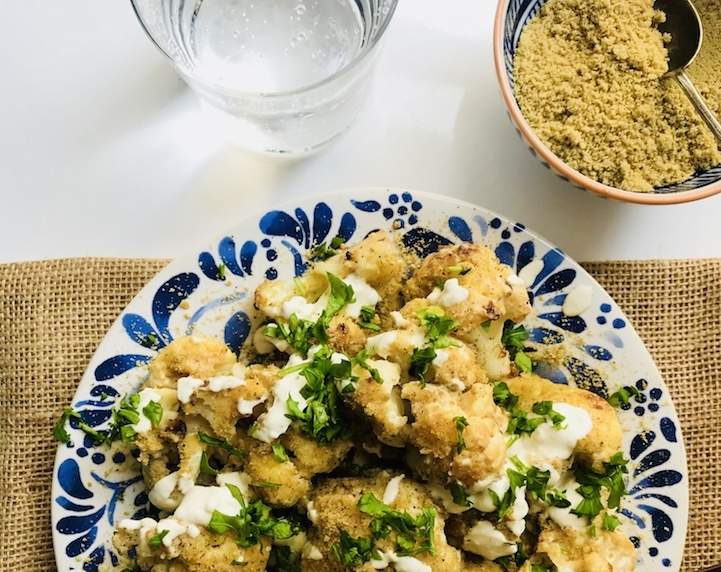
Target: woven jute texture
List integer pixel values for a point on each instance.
(53, 314)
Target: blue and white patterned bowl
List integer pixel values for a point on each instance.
(94, 487)
(511, 18)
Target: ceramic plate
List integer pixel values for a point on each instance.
(210, 291)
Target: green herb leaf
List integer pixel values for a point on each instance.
(610, 522)
(420, 362)
(459, 270)
(459, 494)
(545, 408)
(221, 444)
(514, 337)
(221, 271)
(205, 467)
(361, 359)
(353, 552)
(154, 412)
(503, 397)
(323, 251)
(156, 540)
(461, 423)
(623, 396)
(524, 362)
(280, 453)
(437, 325)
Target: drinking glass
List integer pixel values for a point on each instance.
(284, 76)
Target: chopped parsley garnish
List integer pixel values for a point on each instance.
(279, 452)
(266, 485)
(503, 397)
(254, 520)
(623, 396)
(156, 540)
(536, 482)
(324, 251)
(461, 423)
(513, 339)
(414, 535)
(221, 444)
(60, 433)
(459, 494)
(283, 559)
(519, 423)
(354, 552)
(540, 568)
(361, 359)
(523, 362)
(205, 467)
(593, 482)
(221, 271)
(420, 362)
(437, 326)
(323, 417)
(367, 314)
(459, 270)
(545, 408)
(154, 412)
(610, 521)
(296, 333)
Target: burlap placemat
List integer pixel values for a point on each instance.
(53, 314)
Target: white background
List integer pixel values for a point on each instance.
(103, 151)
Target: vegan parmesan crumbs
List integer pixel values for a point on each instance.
(588, 78)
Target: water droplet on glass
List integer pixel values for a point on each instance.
(300, 9)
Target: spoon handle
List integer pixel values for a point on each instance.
(699, 103)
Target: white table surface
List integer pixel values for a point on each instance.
(102, 151)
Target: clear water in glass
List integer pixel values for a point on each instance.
(279, 75)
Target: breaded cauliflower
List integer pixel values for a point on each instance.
(492, 292)
(335, 509)
(466, 429)
(190, 356)
(604, 438)
(578, 551)
(223, 409)
(381, 402)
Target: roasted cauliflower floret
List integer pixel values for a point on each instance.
(604, 439)
(345, 335)
(381, 402)
(192, 356)
(312, 457)
(335, 509)
(477, 287)
(485, 566)
(223, 409)
(467, 429)
(578, 551)
(205, 552)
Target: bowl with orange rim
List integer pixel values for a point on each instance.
(511, 18)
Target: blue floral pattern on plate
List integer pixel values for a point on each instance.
(94, 487)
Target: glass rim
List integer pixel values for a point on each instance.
(360, 56)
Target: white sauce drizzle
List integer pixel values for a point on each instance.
(441, 358)
(483, 539)
(364, 294)
(312, 512)
(175, 528)
(457, 385)
(199, 503)
(311, 552)
(577, 300)
(273, 423)
(246, 406)
(381, 344)
(161, 493)
(453, 293)
(392, 489)
(223, 382)
(400, 563)
(303, 309)
(238, 479)
(186, 387)
(399, 320)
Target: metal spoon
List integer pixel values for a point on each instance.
(684, 26)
